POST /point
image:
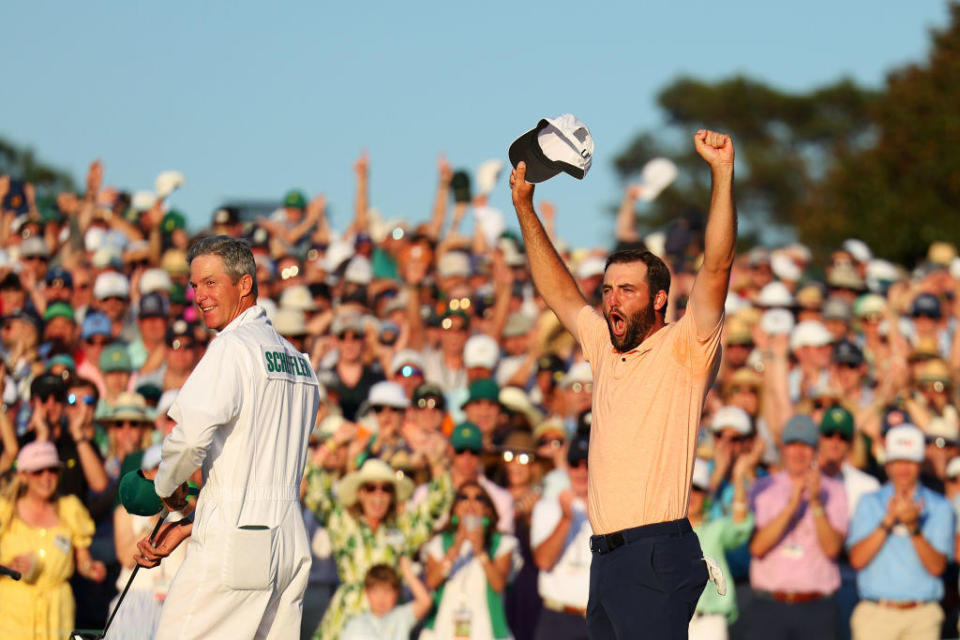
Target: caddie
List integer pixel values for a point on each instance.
(244, 417)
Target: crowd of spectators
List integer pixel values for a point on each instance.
(448, 465)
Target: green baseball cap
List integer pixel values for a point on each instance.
(172, 221)
(115, 358)
(485, 389)
(58, 310)
(178, 294)
(837, 419)
(64, 359)
(467, 435)
(295, 199)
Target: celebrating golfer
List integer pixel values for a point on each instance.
(650, 380)
(244, 415)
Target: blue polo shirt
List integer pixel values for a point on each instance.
(896, 572)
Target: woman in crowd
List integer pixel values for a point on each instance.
(468, 565)
(367, 520)
(523, 473)
(45, 538)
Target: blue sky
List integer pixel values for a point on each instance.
(250, 99)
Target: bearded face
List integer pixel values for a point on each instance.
(628, 304)
(628, 331)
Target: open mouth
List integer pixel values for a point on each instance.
(618, 323)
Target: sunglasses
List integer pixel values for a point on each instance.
(837, 434)
(88, 399)
(940, 442)
(586, 387)
(459, 304)
(40, 472)
(462, 450)
(109, 298)
(98, 342)
(821, 404)
(924, 314)
(473, 497)
(937, 387)
(381, 408)
(374, 487)
(429, 403)
(43, 397)
(848, 365)
(742, 389)
(553, 443)
(522, 458)
(409, 371)
(449, 325)
(349, 336)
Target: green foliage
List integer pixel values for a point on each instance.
(836, 162)
(22, 164)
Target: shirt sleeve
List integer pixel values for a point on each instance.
(210, 399)
(762, 513)
(704, 351)
(592, 333)
(838, 514)
(736, 534)
(938, 527)
(866, 518)
(543, 521)
(76, 517)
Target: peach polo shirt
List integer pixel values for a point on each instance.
(646, 410)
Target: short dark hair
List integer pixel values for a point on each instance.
(382, 574)
(658, 275)
(236, 255)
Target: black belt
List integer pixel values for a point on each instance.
(607, 542)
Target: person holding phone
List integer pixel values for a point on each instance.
(468, 565)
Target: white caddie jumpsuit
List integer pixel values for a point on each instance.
(244, 415)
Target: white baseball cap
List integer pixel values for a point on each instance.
(481, 351)
(904, 442)
(405, 356)
(591, 266)
(110, 284)
(730, 417)
(784, 267)
(297, 297)
(387, 394)
(953, 467)
(453, 263)
(810, 333)
(701, 474)
(579, 372)
(777, 321)
(858, 249)
(775, 294)
(155, 280)
(556, 144)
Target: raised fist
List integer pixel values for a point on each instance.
(715, 148)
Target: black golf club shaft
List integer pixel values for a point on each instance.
(163, 516)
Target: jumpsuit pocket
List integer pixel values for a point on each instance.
(246, 564)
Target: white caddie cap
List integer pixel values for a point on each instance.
(481, 351)
(556, 144)
(730, 417)
(904, 442)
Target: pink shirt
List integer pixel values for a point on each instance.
(796, 563)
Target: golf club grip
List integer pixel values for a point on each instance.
(7, 571)
(163, 516)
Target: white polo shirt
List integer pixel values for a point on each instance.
(568, 582)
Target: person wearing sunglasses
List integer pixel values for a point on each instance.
(469, 565)
(367, 522)
(351, 377)
(46, 537)
(388, 402)
(406, 369)
(83, 469)
(733, 438)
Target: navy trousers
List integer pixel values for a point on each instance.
(645, 582)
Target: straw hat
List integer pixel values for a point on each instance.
(373, 470)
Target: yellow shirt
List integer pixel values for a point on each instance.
(646, 410)
(42, 608)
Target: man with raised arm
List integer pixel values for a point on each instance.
(650, 380)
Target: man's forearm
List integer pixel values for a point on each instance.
(720, 236)
(829, 539)
(933, 561)
(93, 470)
(768, 536)
(550, 275)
